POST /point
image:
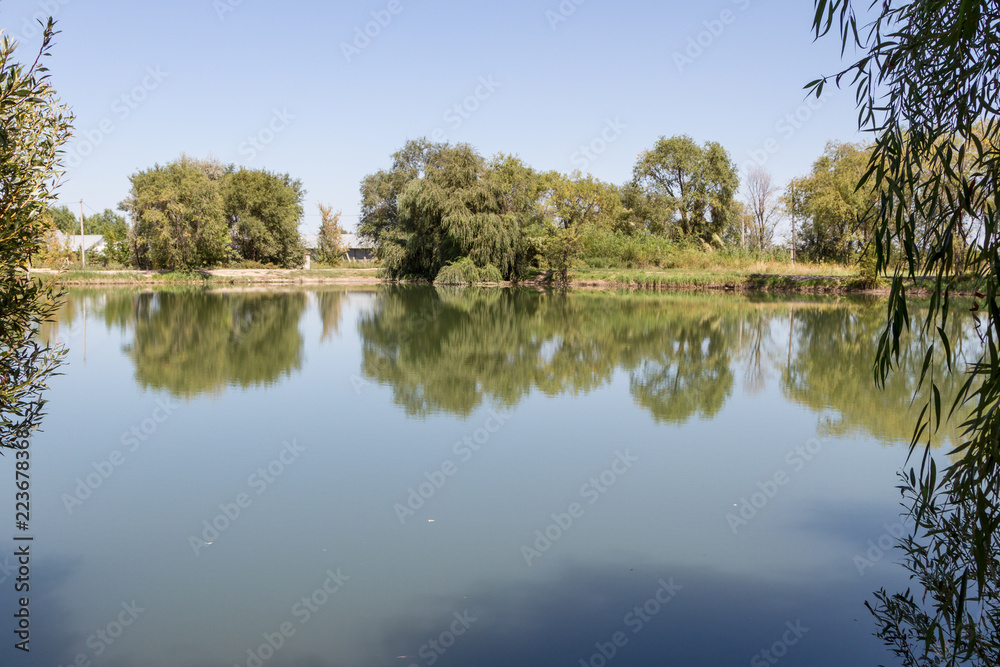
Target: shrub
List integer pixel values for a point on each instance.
(490, 274)
(460, 272)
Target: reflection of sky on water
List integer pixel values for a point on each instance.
(333, 507)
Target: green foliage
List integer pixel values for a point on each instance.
(263, 211)
(35, 126)
(178, 217)
(604, 249)
(464, 272)
(114, 229)
(54, 252)
(926, 87)
(834, 214)
(573, 205)
(193, 214)
(693, 187)
(62, 219)
(460, 272)
(442, 202)
(330, 245)
(490, 274)
(380, 193)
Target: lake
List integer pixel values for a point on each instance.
(419, 476)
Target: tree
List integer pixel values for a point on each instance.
(761, 206)
(572, 204)
(330, 246)
(833, 210)
(62, 219)
(926, 89)
(380, 192)
(694, 185)
(35, 126)
(641, 211)
(263, 211)
(114, 229)
(438, 204)
(177, 216)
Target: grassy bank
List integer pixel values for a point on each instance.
(771, 276)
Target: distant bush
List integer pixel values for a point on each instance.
(54, 253)
(463, 271)
(460, 272)
(490, 274)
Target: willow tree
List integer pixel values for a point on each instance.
(927, 85)
(35, 126)
(441, 203)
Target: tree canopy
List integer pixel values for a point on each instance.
(440, 203)
(263, 211)
(177, 217)
(695, 185)
(834, 213)
(194, 214)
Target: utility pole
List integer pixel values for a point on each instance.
(793, 223)
(83, 253)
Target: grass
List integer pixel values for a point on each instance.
(689, 269)
(721, 272)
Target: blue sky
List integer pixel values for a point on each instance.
(298, 86)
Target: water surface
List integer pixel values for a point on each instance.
(417, 476)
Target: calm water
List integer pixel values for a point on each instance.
(481, 477)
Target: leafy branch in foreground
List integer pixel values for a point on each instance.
(33, 125)
(926, 87)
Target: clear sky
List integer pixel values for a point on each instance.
(299, 87)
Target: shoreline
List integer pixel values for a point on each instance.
(685, 280)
